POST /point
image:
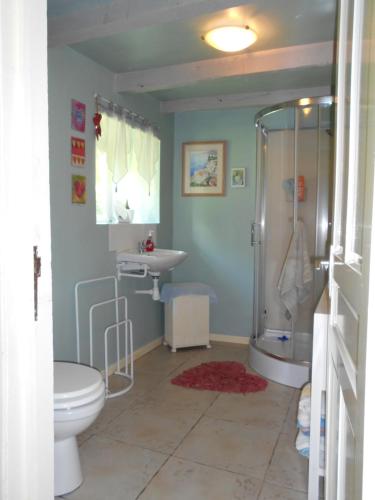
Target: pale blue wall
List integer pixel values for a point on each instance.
(215, 231)
(79, 246)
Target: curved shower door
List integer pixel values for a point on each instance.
(293, 179)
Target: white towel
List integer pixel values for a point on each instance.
(296, 276)
(303, 447)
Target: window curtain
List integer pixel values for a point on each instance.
(144, 153)
(127, 168)
(113, 143)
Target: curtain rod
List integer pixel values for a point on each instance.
(131, 114)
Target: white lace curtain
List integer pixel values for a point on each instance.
(127, 167)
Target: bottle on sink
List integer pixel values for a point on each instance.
(150, 243)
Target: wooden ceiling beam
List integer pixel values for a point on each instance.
(120, 16)
(244, 99)
(265, 61)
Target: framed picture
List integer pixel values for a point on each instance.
(78, 115)
(79, 189)
(238, 177)
(77, 146)
(203, 168)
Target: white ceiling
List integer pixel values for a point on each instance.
(143, 39)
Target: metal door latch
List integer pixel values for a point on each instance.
(37, 274)
(320, 263)
(255, 234)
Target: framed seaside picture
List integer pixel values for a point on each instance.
(203, 168)
(238, 178)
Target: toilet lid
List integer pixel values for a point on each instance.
(75, 384)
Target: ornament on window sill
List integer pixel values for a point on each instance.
(124, 214)
(97, 118)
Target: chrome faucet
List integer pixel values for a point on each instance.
(141, 246)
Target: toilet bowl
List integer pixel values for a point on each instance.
(79, 394)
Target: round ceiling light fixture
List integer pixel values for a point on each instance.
(230, 38)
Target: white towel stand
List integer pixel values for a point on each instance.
(128, 371)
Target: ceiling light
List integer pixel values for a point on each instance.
(230, 38)
(305, 101)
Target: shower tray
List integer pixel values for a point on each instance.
(273, 358)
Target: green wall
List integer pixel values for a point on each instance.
(215, 231)
(79, 246)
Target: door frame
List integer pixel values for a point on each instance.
(26, 364)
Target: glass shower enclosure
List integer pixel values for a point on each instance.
(294, 174)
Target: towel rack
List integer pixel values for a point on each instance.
(127, 372)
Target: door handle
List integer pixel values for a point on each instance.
(37, 274)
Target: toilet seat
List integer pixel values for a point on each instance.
(76, 385)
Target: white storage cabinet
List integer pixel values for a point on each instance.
(187, 321)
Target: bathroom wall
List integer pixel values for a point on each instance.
(215, 231)
(80, 248)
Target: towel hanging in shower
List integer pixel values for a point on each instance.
(295, 283)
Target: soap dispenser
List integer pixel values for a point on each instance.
(150, 243)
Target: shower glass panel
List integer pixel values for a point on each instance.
(293, 185)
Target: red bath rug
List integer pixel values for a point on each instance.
(222, 376)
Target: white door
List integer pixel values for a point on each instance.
(26, 364)
(352, 265)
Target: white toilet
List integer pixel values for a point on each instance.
(79, 394)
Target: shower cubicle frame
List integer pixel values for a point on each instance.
(276, 367)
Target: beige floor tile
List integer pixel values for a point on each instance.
(144, 383)
(114, 470)
(169, 396)
(254, 408)
(222, 352)
(237, 436)
(152, 427)
(232, 446)
(162, 360)
(288, 468)
(107, 415)
(278, 392)
(272, 492)
(182, 480)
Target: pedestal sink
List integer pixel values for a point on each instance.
(158, 261)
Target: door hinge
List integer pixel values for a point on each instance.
(37, 274)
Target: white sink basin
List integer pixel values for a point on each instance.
(157, 261)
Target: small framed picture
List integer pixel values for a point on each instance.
(77, 151)
(78, 113)
(238, 177)
(79, 189)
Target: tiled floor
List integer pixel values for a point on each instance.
(162, 442)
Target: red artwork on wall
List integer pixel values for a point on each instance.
(78, 151)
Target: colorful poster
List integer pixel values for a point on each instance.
(78, 151)
(78, 115)
(78, 189)
(203, 167)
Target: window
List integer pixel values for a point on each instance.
(127, 168)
